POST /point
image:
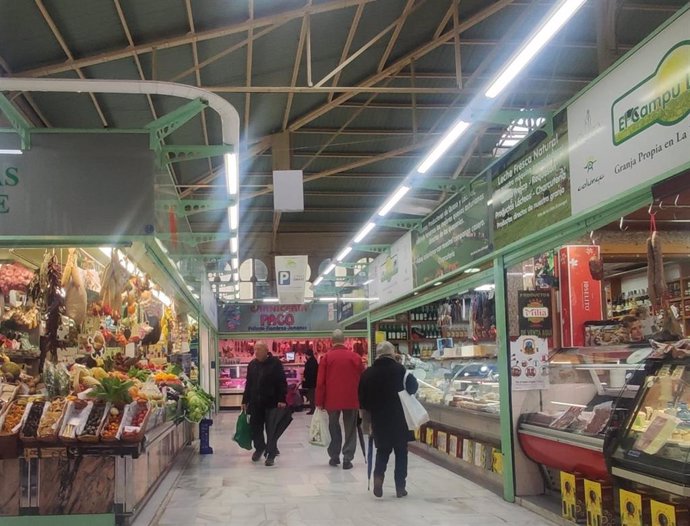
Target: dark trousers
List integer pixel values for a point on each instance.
(349, 447)
(257, 422)
(311, 396)
(382, 456)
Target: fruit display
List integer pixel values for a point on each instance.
(48, 427)
(33, 417)
(13, 416)
(94, 422)
(76, 415)
(134, 421)
(112, 425)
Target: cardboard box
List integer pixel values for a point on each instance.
(599, 503)
(442, 441)
(479, 454)
(631, 508)
(580, 293)
(468, 450)
(430, 437)
(663, 514)
(453, 445)
(572, 497)
(497, 462)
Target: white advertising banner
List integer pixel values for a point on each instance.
(633, 125)
(291, 278)
(288, 191)
(529, 360)
(393, 273)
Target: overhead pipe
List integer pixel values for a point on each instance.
(229, 118)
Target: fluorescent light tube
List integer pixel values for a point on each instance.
(472, 270)
(318, 281)
(368, 282)
(397, 196)
(344, 253)
(446, 142)
(234, 245)
(330, 269)
(438, 283)
(364, 232)
(231, 175)
(236, 276)
(234, 212)
(489, 286)
(10, 152)
(327, 299)
(235, 263)
(556, 21)
(271, 300)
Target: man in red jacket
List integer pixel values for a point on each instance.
(336, 392)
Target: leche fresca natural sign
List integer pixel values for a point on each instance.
(633, 125)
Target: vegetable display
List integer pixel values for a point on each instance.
(197, 403)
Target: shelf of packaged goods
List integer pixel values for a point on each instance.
(451, 358)
(472, 423)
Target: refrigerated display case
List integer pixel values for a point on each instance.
(653, 448)
(590, 393)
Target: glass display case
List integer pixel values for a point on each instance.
(589, 395)
(463, 383)
(654, 446)
(233, 378)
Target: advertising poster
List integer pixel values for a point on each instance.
(529, 360)
(532, 191)
(454, 235)
(535, 313)
(633, 125)
(392, 272)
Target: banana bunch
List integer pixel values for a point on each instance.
(81, 379)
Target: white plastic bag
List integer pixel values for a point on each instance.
(319, 435)
(415, 414)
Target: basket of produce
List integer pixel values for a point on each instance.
(35, 410)
(134, 421)
(49, 426)
(7, 394)
(114, 391)
(95, 422)
(10, 423)
(73, 423)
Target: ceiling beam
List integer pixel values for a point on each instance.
(295, 68)
(58, 36)
(402, 62)
(399, 23)
(29, 99)
(250, 58)
(346, 47)
(188, 38)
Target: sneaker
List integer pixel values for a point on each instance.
(334, 462)
(257, 455)
(270, 461)
(378, 486)
(347, 464)
(400, 492)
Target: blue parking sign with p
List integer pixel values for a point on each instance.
(284, 277)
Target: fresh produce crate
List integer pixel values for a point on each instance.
(32, 418)
(76, 415)
(8, 392)
(94, 423)
(10, 424)
(49, 427)
(110, 431)
(134, 422)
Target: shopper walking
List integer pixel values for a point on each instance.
(311, 371)
(378, 394)
(336, 391)
(266, 389)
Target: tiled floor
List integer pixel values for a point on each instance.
(301, 489)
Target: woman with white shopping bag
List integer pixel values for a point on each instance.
(383, 391)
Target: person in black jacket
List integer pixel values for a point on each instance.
(266, 389)
(378, 394)
(311, 371)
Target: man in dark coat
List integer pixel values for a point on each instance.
(378, 394)
(311, 371)
(266, 389)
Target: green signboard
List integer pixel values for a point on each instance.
(453, 236)
(531, 190)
